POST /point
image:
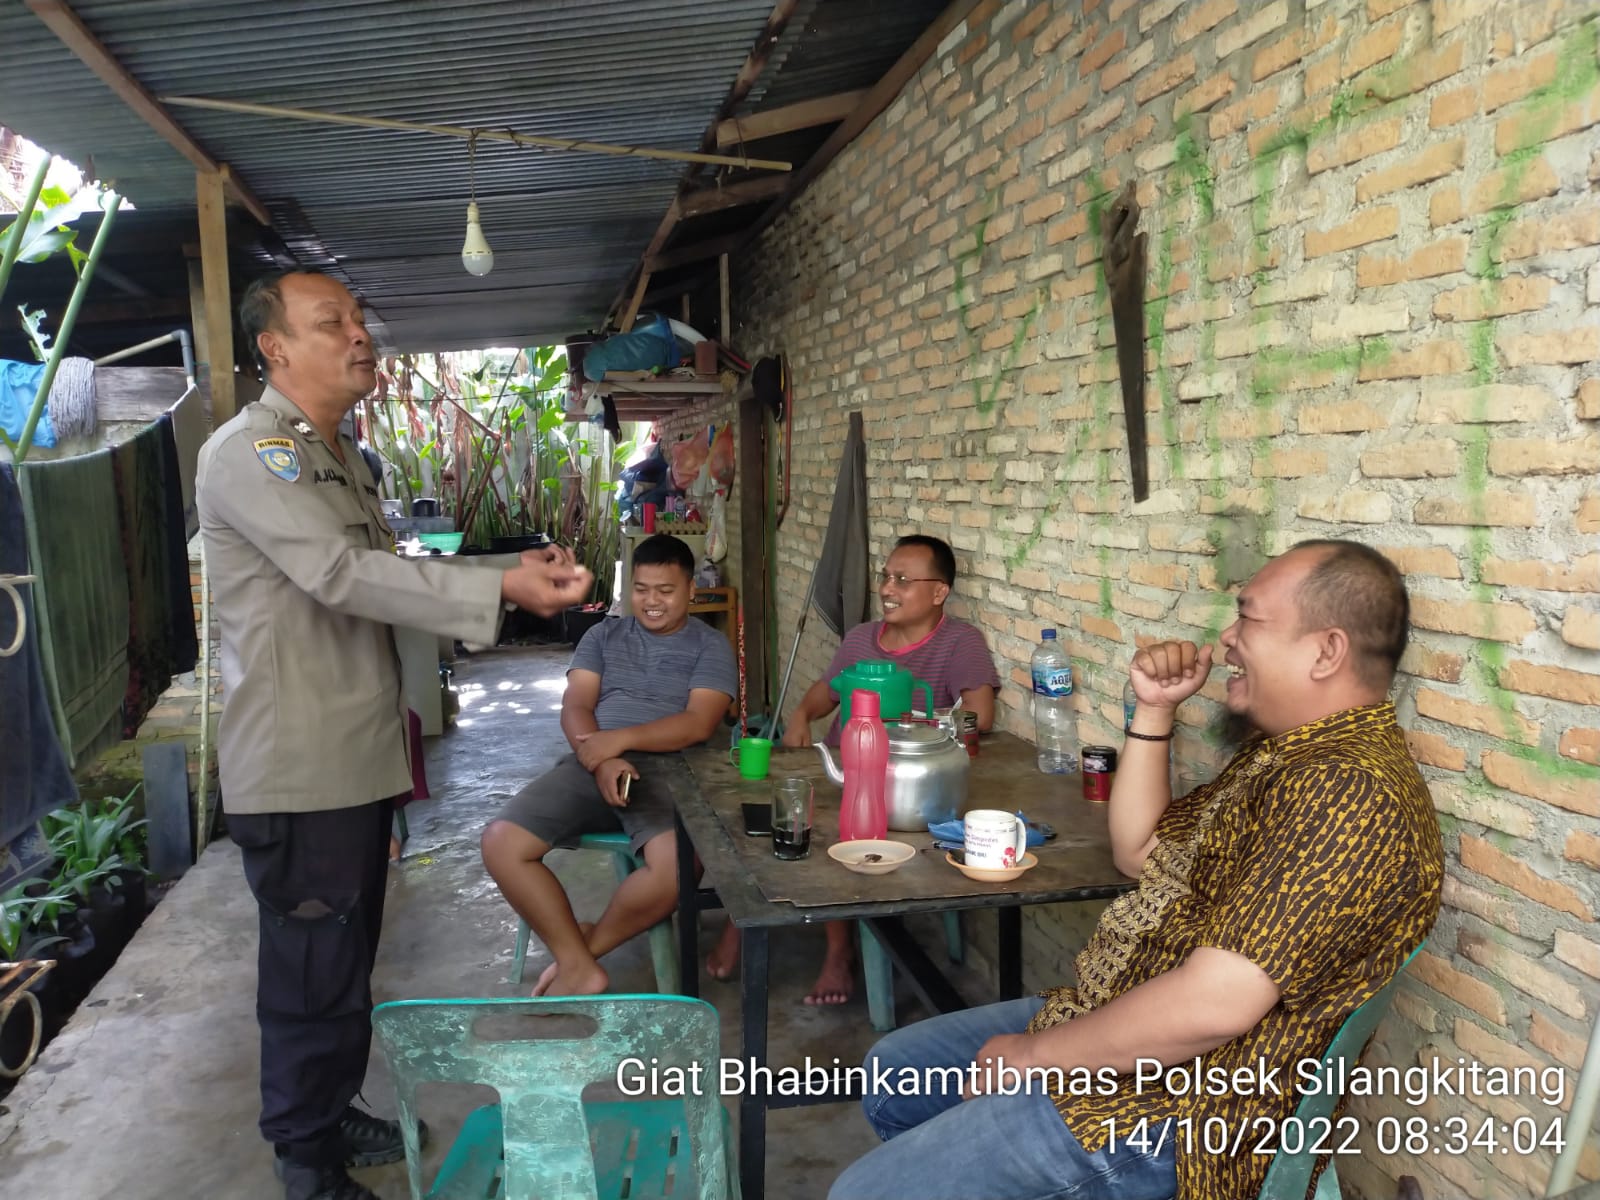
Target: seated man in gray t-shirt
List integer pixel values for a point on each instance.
(639, 688)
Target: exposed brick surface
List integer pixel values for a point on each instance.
(1370, 312)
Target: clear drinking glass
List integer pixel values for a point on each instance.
(791, 818)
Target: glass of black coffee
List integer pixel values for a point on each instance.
(791, 818)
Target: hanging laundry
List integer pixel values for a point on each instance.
(161, 638)
(191, 425)
(19, 384)
(34, 775)
(69, 508)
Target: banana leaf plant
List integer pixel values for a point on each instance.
(491, 436)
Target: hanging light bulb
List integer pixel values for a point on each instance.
(476, 256)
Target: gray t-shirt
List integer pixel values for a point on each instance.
(645, 676)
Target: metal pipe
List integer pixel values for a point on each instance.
(132, 350)
(68, 320)
(482, 135)
(1580, 1120)
(202, 815)
(8, 258)
(187, 343)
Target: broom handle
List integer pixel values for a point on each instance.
(800, 629)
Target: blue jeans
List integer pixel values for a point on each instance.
(998, 1147)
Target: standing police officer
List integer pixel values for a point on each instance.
(312, 746)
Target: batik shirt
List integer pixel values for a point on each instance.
(1315, 854)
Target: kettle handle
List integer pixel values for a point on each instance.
(926, 688)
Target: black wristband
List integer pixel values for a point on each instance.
(1148, 737)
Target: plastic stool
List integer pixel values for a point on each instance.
(878, 970)
(663, 946)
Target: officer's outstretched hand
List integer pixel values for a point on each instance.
(547, 581)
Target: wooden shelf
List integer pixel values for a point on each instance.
(651, 399)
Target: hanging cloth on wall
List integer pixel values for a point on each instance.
(161, 638)
(69, 507)
(34, 775)
(844, 575)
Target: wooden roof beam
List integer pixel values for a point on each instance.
(59, 18)
(696, 252)
(715, 199)
(879, 96)
(824, 110)
(755, 62)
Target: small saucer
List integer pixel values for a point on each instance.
(993, 874)
(853, 855)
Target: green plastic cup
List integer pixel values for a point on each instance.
(752, 756)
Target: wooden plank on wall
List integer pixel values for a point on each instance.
(218, 297)
(824, 110)
(750, 477)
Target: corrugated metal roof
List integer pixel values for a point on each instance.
(390, 207)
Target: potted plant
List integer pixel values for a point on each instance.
(20, 940)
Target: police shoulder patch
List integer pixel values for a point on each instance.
(279, 456)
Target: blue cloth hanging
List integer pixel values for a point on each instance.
(19, 384)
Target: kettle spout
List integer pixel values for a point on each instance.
(835, 775)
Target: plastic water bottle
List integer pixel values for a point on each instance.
(1053, 721)
(1130, 702)
(864, 755)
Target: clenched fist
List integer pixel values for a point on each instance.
(1168, 673)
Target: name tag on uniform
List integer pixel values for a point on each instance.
(329, 475)
(278, 455)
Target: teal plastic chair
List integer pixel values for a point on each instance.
(543, 1139)
(663, 946)
(878, 970)
(1290, 1174)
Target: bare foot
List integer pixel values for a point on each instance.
(723, 961)
(395, 846)
(589, 980)
(835, 984)
(548, 980)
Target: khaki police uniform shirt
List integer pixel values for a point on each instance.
(306, 586)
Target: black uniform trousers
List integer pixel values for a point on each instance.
(318, 879)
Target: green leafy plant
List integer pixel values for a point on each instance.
(94, 842)
(492, 442)
(20, 917)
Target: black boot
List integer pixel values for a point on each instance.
(301, 1182)
(371, 1141)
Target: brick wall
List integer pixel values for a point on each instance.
(1373, 310)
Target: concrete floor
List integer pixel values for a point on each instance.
(150, 1092)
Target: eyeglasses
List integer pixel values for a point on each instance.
(901, 580)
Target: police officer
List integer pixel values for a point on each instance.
(312, 746)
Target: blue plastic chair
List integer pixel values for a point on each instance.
(1290, 1174)
(663, 946)
(543, 1139)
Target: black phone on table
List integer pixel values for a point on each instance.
(757, 820)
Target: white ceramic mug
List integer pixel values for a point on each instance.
(995, 839)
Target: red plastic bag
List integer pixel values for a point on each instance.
(722, 456)
(688, 456)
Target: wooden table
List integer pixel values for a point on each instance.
(761, 893)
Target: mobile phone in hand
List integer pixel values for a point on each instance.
(757, 820)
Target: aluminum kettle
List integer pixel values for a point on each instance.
(927, 776)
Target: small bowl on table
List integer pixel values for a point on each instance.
(956, 858)
(871, 856)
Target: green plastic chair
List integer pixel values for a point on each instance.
(663, 946)
(878, 970)
(1290, 1174)
(543, 1139)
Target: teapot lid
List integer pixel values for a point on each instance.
(915, 737)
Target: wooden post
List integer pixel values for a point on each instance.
(724, 334)
(751, 476)
(218, 323)
(197, 322)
